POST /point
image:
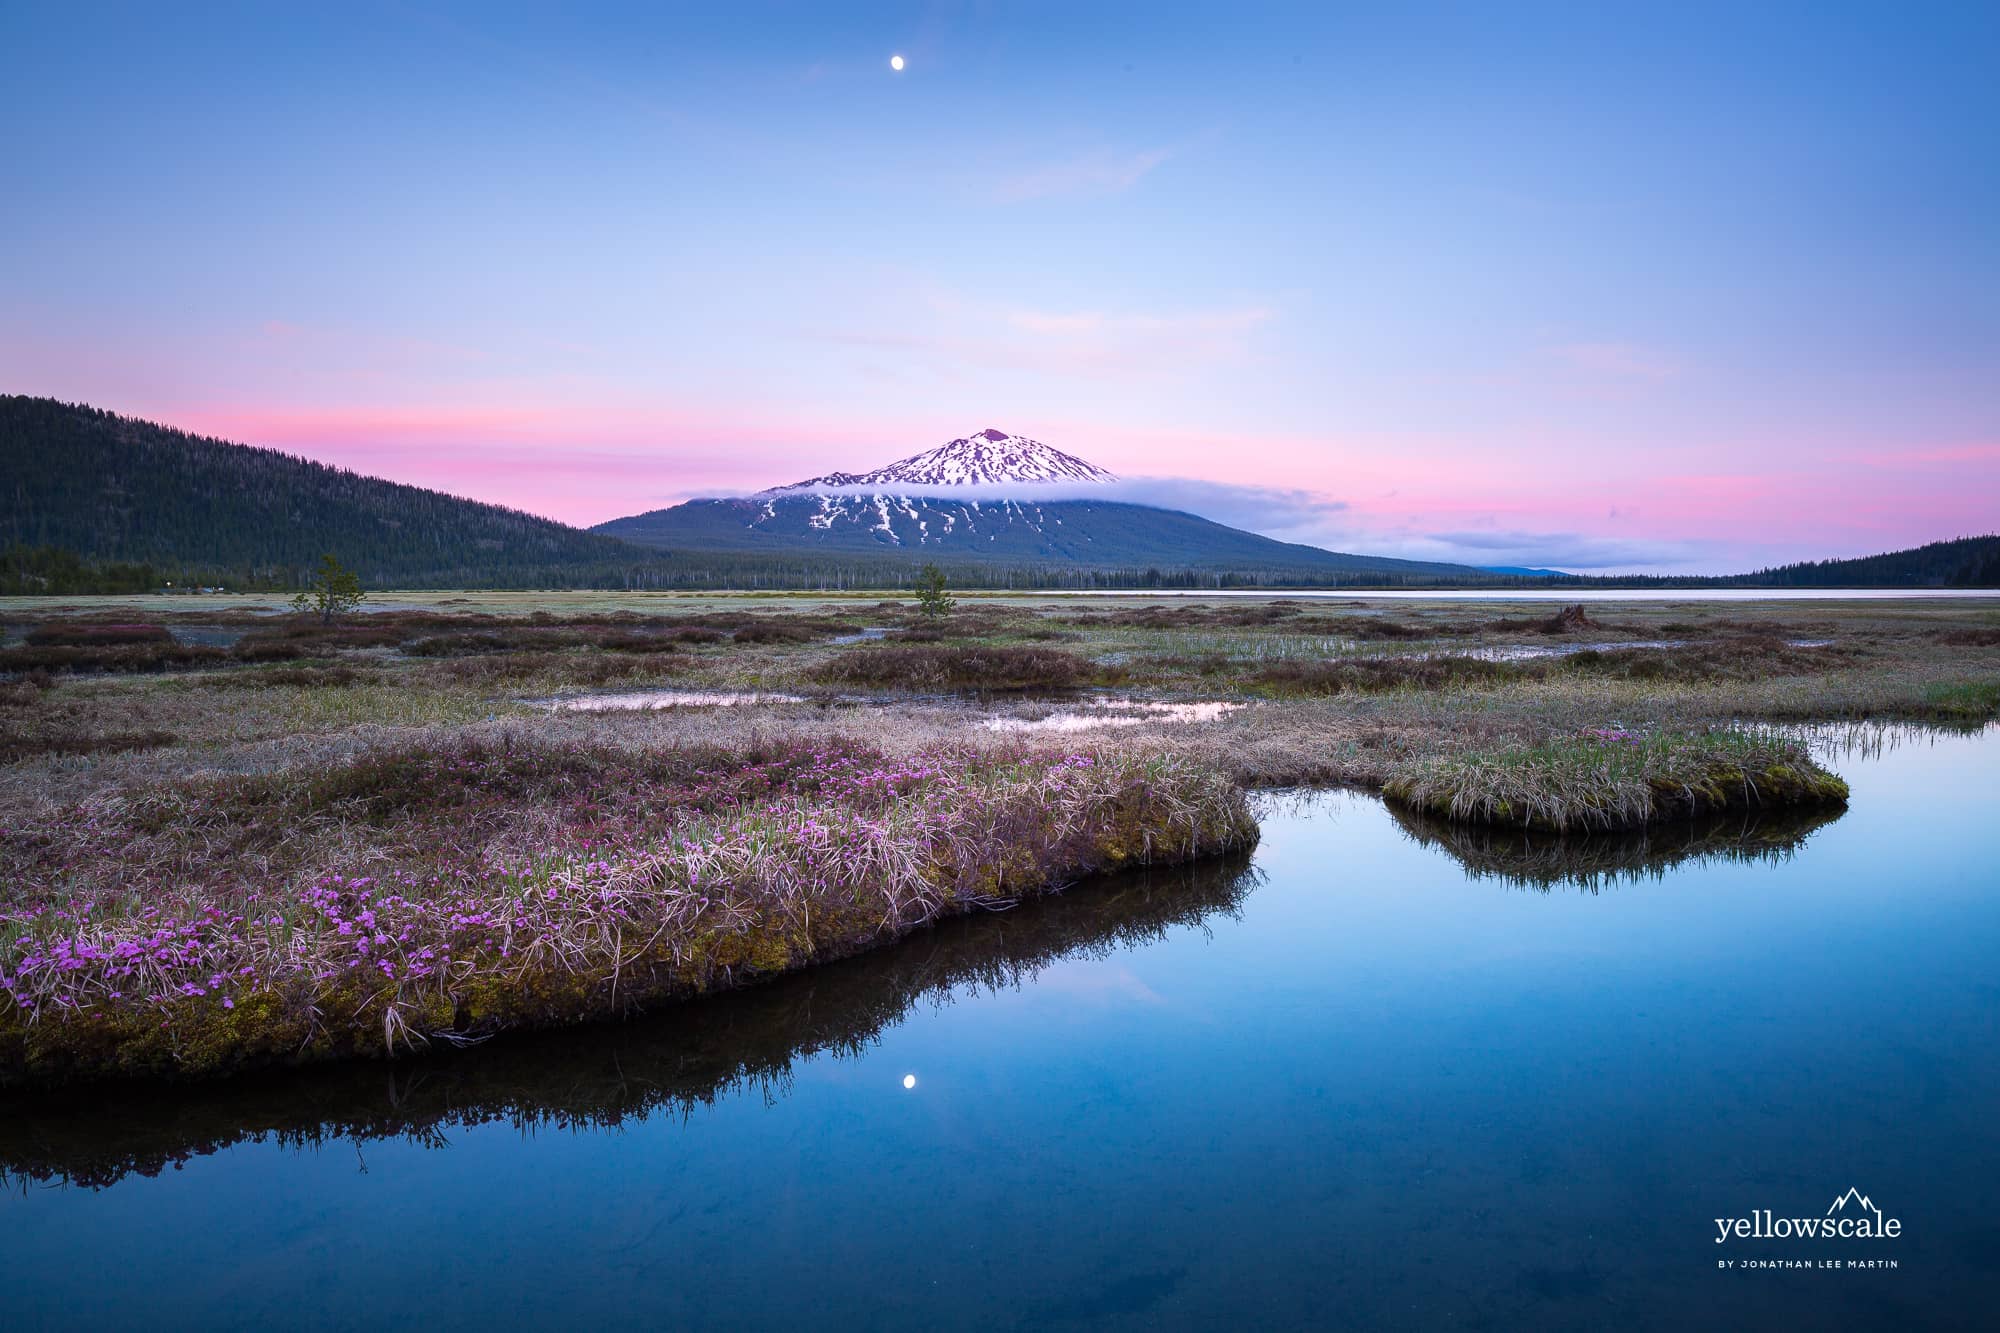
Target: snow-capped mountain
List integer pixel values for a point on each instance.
(984, 458)
(989, 497)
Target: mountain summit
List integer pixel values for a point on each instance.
(984, 458)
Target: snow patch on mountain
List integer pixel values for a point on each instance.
(984, 458)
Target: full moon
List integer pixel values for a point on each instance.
(909, 1080)
(895, 62)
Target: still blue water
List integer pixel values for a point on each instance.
(1373, 1079)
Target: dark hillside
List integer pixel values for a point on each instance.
(114, 489)
(1967, 562)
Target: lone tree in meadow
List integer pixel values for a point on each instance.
(331, 591)
(932, 599)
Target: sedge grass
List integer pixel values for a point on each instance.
(410, 896)
(1616, 779)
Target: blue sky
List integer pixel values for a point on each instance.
(1602, 286)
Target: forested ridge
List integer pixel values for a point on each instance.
(1965, 562)
(114, 489)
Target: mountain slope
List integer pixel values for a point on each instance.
(1097, 533)
(111, 488)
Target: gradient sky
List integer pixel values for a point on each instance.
(1677, 287)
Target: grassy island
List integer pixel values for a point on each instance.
(448, 892)
(1611, 778)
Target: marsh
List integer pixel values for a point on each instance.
(1517, 1076)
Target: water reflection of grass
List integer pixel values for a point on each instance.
(607, 1075)
(1596, 861)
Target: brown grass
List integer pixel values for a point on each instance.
(306, 677)
(132, 657)
(17, 745)
(1617, 780)
(1365, 675)
(938, 668)
(419, 894)
(1738, 657)
(555, 670)
(93, 635)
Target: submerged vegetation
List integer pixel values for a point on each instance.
(1611, 778)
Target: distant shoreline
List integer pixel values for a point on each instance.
(393, 599)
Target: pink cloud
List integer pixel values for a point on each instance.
(582, 464)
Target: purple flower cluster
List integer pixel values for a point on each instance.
(735, 848)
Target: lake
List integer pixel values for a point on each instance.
(1384, 1074)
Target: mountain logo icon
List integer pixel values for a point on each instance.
(1851, 1216)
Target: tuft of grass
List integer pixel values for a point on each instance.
(1613, 779)
(89, 634)
(17, 746)
(553, 671)
(465, 645)
(148, 656)
(1965, 700)
(972, 668)
(638, 643)
(302, 677)
(778, 631)
(26, 689)
(288, 643)
(1737, 657)
(1376, 675)
(253, 648)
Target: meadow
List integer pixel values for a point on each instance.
(236, 837)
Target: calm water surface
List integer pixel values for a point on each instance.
(1384, 1076)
